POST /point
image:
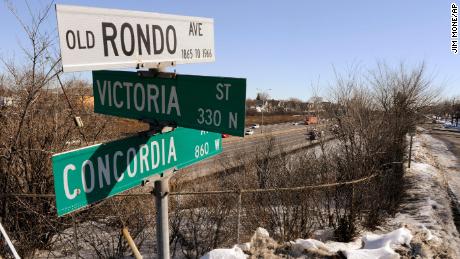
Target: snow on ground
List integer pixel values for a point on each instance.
(372, 246)
(232, 253)
(369, 246)
(423, 227)
(426, 207)
(400, 236)
(447, 162)
(381, 253)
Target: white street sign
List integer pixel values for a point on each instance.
(96, 38)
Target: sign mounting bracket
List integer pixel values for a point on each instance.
(156, 70)
(156, 127)
(156, 73)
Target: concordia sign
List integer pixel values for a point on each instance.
(93, 173)
(96, 38)
(207, 103)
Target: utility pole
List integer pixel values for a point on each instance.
(262, 125)
(410, 150)
(263, 99)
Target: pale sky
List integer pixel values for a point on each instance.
(287, 46)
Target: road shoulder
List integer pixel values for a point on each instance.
(426, 207)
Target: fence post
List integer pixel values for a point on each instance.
(410, 150)
(238, 218)
(131, 243)
(75, 237)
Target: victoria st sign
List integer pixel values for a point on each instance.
(200, 102)
(97, 38)
(90, 174)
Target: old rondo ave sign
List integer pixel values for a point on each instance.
(97, 38)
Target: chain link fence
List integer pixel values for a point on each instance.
(198, 221)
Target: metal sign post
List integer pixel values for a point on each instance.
(161, 193)
(161, 189)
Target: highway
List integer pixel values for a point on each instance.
(287, 135)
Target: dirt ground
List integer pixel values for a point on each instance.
(272, 119)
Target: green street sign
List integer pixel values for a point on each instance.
(90, 174)
(214, 104)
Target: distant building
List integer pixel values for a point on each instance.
(292, 105)
(318, 107)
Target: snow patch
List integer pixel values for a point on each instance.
(340, 246)
(375, 246)
(311, 245)
(427, 234)
(400, 236)
(245, 246)
(222, 253)
(323, 234)
(381, 253)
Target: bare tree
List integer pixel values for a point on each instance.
(36, 125)
(263, 96)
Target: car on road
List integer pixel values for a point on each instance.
(295, 123)
(311, 120)
(249, 132)
(225, 135)
(448, 125)
(255, 126)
